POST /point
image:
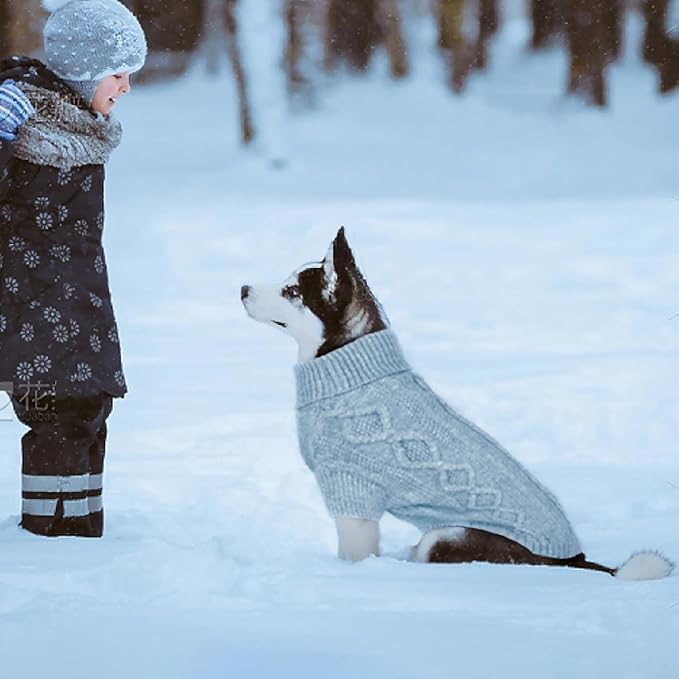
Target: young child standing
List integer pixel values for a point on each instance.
(59, 350)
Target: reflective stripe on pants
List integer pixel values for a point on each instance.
(72, 508)
(61, 484)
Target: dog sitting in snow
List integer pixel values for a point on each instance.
(380, 440)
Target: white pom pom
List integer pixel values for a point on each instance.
(54, 5)
(645, 566)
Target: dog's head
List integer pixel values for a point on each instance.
(323, 305)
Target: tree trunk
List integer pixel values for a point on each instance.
(456, 49)
(25, 20)
(489, 21)
(390, 23)
(547, 22)
(294, 16)
(352, 33)
(593, 29)
(655, 14)
(247, 129)
(4, 22)
(659, 47)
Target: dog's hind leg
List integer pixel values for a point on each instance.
(453, 538)
(464, 545)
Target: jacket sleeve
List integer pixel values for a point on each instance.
(6, 153)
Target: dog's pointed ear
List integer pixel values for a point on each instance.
(329, 272)
(343, 257)
(338, 268)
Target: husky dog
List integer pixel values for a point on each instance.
(379, 440)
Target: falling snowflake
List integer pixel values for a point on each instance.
(51, 315)
(42, 363)
(44, 221)
(31, 259)
(60, 333)
(27, 332)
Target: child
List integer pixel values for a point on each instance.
(58, 338)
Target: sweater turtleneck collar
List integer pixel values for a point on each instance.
(354, 365)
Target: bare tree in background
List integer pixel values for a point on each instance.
(547, 22)
(4, 36)
(172, 31)
(301, 18)
(355, 28)
(594, 37)
(294, 47)
(489, 21)
(220, 31)
(233, 48)
(22, 27)
(462, 51)
(389, 20)
(452, 41)
(351, 33)
(659, 48)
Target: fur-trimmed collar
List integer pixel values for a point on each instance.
(62, 134)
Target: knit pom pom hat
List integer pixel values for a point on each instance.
(89, 40)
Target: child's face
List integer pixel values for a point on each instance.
(108, 91)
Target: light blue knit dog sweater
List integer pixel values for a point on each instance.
(380, 440)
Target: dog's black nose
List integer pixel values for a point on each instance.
(244, 292)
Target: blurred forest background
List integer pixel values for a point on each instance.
(324, 36)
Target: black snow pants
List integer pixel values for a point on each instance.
(63, 463)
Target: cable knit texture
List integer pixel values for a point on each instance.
(380, 440)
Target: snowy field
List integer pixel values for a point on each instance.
(526, 250)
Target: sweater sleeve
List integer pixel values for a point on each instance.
(348, 494)
(6, 153)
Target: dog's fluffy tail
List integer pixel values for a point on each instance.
(644, 566)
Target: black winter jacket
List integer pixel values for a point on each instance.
(57, 325)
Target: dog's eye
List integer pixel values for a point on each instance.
(291, 292)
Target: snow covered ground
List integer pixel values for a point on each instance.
(526, 250)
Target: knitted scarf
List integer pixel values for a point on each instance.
(62, 134)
